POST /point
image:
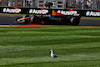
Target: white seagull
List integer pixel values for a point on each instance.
(53, 55)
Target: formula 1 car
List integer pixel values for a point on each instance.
(50, 18)
(47, 19)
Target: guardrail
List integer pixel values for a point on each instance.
(16, 10)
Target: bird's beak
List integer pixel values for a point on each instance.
(51, 50)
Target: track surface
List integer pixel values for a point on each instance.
(9, 20)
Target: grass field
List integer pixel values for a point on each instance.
(30, 47)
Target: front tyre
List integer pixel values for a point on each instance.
(35, 19)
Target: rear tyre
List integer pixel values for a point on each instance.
(74, 21)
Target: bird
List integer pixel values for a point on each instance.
(53, 55)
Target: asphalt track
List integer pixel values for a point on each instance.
(10, 20)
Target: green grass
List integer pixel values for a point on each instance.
(30, 47)
(96, 18)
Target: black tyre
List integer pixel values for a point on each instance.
(35, 19)
(74, 21)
